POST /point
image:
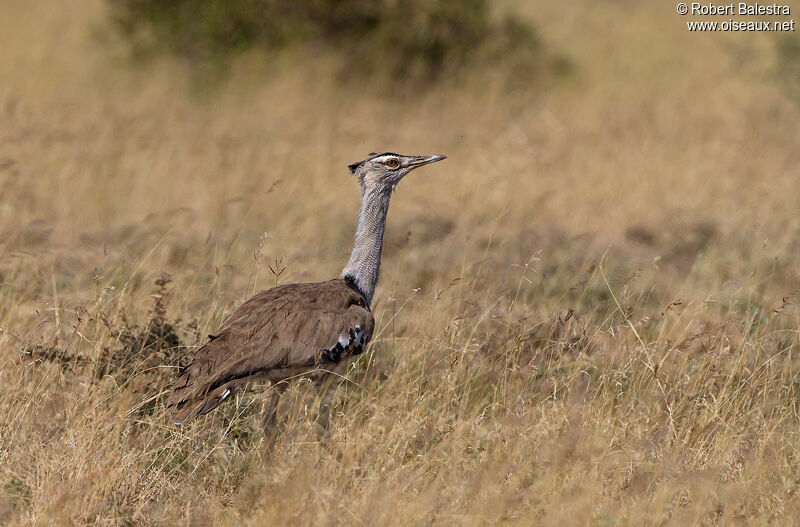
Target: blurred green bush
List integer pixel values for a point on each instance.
(789, 62)
(416, 38)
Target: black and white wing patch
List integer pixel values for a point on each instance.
(349, 345)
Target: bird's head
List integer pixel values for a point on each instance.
(384, 171)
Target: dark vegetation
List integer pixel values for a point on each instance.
(789, 62)
(154, 348)
(417, 39)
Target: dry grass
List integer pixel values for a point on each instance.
(587, 315)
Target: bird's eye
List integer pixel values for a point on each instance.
(392, 163)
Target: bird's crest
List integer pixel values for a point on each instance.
(353, 167)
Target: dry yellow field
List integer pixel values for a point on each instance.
(587, 315)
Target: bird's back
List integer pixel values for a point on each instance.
(279, 333)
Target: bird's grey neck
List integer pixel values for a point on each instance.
(365, 260)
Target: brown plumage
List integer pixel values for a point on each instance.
(278, 334)
(299, 330)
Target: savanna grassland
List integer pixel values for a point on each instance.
(588, 314)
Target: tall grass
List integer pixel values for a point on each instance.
(587, 314)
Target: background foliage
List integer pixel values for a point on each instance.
(417, 38)
(789, 62)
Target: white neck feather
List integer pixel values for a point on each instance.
(365, 260)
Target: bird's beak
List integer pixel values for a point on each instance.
(424, 160)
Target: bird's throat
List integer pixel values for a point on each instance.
(365, 260)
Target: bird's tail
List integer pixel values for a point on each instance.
(187, 409)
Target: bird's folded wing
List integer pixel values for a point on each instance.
(277, 333)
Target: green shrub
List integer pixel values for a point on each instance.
(410, 37)
(789, 62)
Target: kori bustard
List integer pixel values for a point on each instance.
(299, 330)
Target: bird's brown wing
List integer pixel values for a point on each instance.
(279, 333)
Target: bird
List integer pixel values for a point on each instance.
(299, 330)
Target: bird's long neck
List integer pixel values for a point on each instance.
(365, 260)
